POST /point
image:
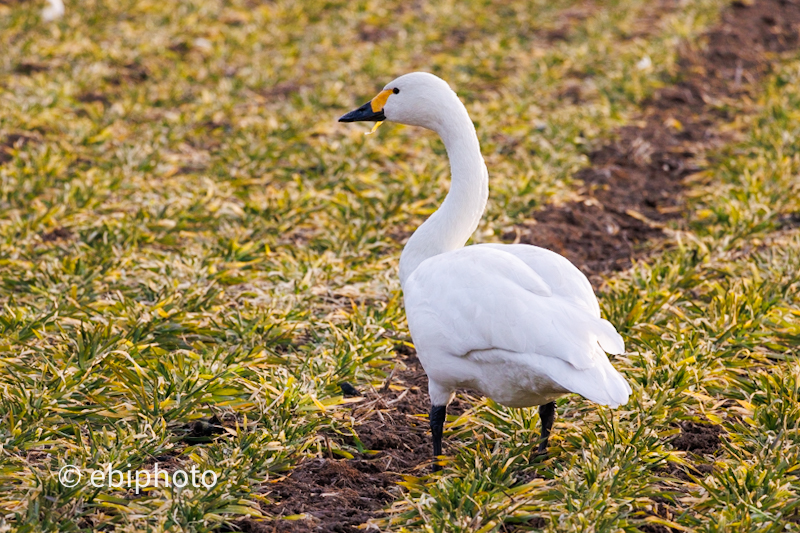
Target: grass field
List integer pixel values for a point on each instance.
(194, 254)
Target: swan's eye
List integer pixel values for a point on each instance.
(396, 90)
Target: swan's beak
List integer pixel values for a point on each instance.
(371, 111)
(364, 113)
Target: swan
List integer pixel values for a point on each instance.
(53, 11)
(517, 323)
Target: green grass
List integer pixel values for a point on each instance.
(233, 252)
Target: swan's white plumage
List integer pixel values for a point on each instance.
(53, 11)
(518, 323)
(564, 279)
(466, 303)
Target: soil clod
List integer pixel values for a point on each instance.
(57, 234)
(204, 430)
(698, 438)
(348, 390)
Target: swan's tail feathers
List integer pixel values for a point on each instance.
(617, 387)
(609, 339)
(597, 333)
(601, 384)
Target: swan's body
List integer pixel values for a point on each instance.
(518, 323)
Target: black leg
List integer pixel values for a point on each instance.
(438, 414)
(547, 414)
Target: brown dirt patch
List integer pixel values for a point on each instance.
(129, 73)
(335, 495)
(634, 184)
(697, 469)
(698, 438)
(376, 34)
(27, 68)
(56, 235)
(13, 141)
(94, 96)
(339, 495)
(660, 509)
(632, 187)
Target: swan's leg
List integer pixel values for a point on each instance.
(547, 414)
(438, 414)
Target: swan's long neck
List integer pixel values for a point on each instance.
(451, 225)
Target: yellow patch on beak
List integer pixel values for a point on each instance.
(379, 101)
(375, 127)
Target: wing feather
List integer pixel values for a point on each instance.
(481, 298)
(564, 278)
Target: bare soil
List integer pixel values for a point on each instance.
(12, 141)
(632, 187)
(698, 438)
(339, 495)
(56, 235)
(661, 509)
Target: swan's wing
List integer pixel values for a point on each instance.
(564, 278)
(482, 298)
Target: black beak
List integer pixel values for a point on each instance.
(363, 113)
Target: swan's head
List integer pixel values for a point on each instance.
(415, 99)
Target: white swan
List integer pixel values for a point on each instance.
(53, 11)
(518, 323)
